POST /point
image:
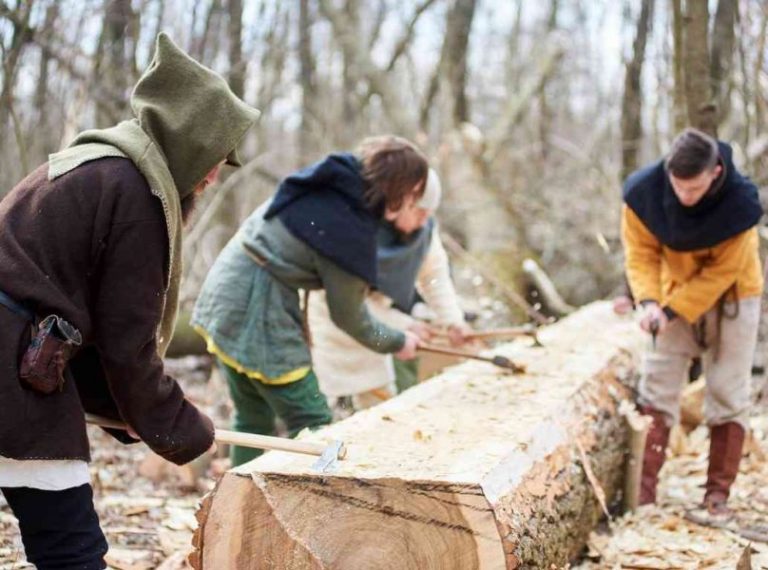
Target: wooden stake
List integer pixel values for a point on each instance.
(638, 432)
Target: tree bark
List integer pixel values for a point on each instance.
(111, 64)
(679, 111)
(721, 61)
(237, 65)
(457, 33)
(701, 107)
(22, 34)
(761, 101)
(632, 103)
(471, 470)
(160, 17)
(349, 105)
(41, 91)
(307, 81)
(545, 112)
(211, 21)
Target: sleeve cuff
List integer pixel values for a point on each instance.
(670, 312)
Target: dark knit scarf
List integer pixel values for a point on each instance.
(730, 207)
(324, 206)
(400, 258)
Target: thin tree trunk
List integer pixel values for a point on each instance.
(513, 59)
(22, 34)
(41, 91)
(210, 23)
(47, 144)
(746, 92)
(632, 103)
(133, 33)
(723, 42)
(160, 17)
(111, 66)
(680, 112)
(701, 108)
(458, 28)
(429, 97)
(760, 98)
(545, 112)
(237, 66)
(349, 115)
(307, 81)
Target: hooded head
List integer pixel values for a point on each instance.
(191, 113)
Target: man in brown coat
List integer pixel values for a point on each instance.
(92, 241)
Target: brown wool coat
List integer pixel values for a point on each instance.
(91, 247)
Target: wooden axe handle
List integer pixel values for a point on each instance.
(512, 332)
(252, 440)
(452, 352)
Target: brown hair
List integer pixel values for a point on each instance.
(693, 152)
(392, 166)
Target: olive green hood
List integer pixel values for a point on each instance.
(191, 114)
(187, 121)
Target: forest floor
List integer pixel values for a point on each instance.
(660, 538)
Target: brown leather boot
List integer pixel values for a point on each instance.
(654, 454)
(725, 448)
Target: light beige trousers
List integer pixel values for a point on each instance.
(727, 367)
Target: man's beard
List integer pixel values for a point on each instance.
(188, 206)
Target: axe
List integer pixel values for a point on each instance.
(328, 454)
(500, 361)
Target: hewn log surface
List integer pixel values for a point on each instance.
(474, 469)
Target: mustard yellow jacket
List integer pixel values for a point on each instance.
(689, 282)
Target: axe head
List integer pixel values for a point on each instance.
(504, 362)
(329, 460)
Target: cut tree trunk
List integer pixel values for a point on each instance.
(474, 469)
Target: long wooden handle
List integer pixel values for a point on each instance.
(452, 352)
(268, 442)
(252, 440)
(512, 332)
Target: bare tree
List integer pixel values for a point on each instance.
(237, 65)
(111, 67)
(307, 81)
(632, 103)
(698, 83)
(680, 111)
(22, 35)
(452, 66)
(545, 111)
(721, 60)
(212, 21)
(457, 31)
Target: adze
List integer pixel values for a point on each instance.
(328, 454)
(500, 361)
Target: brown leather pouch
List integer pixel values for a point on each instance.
(43, 364)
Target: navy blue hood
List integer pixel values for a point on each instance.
(324, 206)
(730, 207)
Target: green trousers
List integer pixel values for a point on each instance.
(406, 374)
(299, 404)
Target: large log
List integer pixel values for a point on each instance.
(474, 469)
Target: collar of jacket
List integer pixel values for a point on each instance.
(729, 208)
(324, 205)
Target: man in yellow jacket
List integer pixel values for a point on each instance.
(689, 226)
